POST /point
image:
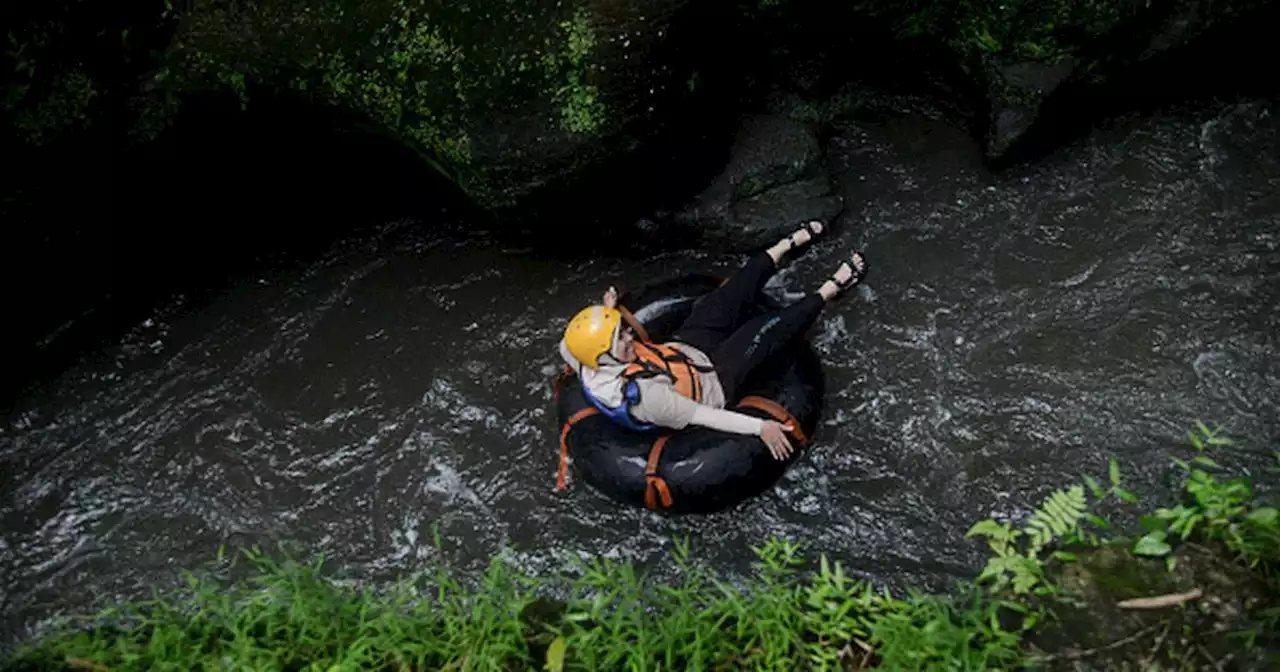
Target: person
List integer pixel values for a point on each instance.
(689, 380)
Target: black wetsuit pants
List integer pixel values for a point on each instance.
(738, 346)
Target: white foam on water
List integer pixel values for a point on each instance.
(449, 482)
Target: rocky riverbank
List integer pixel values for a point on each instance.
(512, 102)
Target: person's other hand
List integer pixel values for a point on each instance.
(774, 435)
(611, 297)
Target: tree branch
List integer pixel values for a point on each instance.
(1161, 601)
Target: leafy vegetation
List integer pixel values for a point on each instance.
(1025, 30)
(1219, 510)
(1019, 568)
(581, 110)
(437, 77)
(790, 615)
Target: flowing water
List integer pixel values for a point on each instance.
(1014, 332)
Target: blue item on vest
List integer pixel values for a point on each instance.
(622, 414)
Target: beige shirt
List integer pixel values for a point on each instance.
(660, 403)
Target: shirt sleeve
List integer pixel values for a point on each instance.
(726, 421)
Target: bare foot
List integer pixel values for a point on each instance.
(799, 238)
(845, 277)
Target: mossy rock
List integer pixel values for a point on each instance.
(1092, 631)
(502, 97)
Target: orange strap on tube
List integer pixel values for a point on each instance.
(562, 473)
(655, 488)
(777, 412)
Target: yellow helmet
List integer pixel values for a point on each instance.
(590, 333)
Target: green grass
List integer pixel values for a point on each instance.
(289, 615)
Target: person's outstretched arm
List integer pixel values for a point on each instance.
(661, 405)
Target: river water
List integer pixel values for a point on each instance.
(1015, 331)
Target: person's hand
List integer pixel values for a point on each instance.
(611, 297)
(774, 435)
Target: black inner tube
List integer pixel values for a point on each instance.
(705, 470)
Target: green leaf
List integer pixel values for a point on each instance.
(1023, 583)
(1125, 495)
(1098, 520)
(1208, 462)
(994, 569)
(1152, 544)
(1169, 514)
(1114, 470)
(1186, 522)
(555, 655)
(1170, 563)
(1094, 486)
(988, 528)
(1209, 434)
(1152, 523)
(1064, 556)
(1263, 516)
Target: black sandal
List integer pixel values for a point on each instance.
(808, 226)
(859, 272)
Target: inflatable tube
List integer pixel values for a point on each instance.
(697, 470)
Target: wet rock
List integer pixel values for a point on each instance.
(1048, 51)
(773, 181)
(766, 217)
(1015, 93)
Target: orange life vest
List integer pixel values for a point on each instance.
(657, 359)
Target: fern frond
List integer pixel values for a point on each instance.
(1040, 533)
(1000, 536)
(1026, 575)
(998, 570)
(1058, 516)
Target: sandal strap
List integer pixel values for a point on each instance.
(854, 278)
(808, 226)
